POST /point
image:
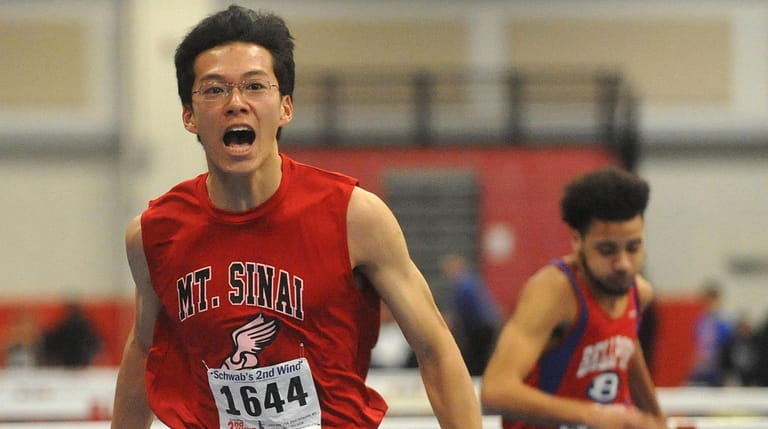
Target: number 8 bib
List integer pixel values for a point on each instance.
(280, 396)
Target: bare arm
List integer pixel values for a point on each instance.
(131, 408)
(642, 389)
(640, 381)
(378, 248)
(545, 302)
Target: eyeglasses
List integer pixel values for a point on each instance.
(253, 89)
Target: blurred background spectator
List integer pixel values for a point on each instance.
(474, 316)
(761, 354)
(740, 359)
(73, 342)
(712, 333)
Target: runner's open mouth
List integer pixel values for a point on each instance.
(239, 135)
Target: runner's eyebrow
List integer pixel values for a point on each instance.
(247, 75)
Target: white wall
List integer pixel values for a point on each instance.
(703, 213)
(159, 152)
(66, 200)
(57, 228)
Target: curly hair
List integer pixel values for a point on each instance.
(607, 194)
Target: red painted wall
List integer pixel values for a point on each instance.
(521, 193)
(674, 347)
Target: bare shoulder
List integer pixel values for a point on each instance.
(133, 241)
(549, 281)
(133, 231)
(371, 227)
(547, 293)
(134, 246)
(147, 303)
(545, 307)
(366, 207)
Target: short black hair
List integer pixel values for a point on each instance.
(607, 194)
(236, 24)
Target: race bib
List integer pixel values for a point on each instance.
(281, 396)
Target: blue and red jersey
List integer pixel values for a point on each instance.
(591, 360)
